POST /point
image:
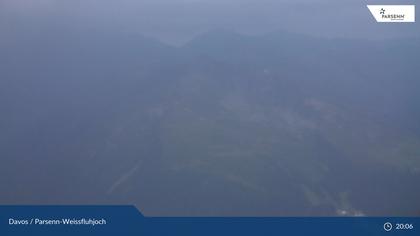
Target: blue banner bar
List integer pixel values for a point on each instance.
(127, 220)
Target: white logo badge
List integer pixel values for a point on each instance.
(393, 13)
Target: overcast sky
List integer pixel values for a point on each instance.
(177, 21)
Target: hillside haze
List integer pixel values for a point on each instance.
(279, 124)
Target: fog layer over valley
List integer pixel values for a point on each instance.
(227, 124)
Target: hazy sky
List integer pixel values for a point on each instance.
(176, 21)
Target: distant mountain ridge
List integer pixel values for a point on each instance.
(227, 124)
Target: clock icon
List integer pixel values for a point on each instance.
(387, 226)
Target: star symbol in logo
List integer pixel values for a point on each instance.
(382, 11)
